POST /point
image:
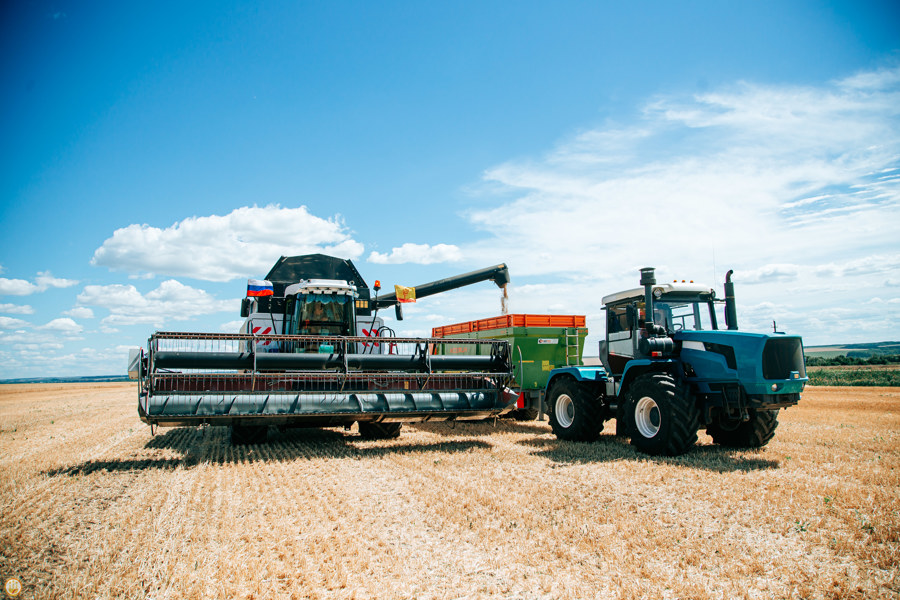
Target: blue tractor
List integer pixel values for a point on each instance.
(668, 371)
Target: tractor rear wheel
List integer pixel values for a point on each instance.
(574, 412)
(661, 415)
(248, 434)
(379, 431)
(755, 433)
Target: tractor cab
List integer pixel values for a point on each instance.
(676, 307)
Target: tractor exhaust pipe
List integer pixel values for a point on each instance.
(648, 280)
(657, 343)
(730, 307)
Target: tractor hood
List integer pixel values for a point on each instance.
(764, 364)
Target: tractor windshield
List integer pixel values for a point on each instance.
(677, 316)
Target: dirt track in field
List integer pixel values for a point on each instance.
(93, 506)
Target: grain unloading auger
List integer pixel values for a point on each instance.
(314, 369)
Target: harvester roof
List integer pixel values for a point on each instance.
(292, 269)
(322, 286)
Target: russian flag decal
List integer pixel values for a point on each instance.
(259, 287)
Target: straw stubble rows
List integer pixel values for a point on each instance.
(94, 506)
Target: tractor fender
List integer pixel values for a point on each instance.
(640, 366)
(592, 374)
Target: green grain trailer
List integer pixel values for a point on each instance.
(538, 344)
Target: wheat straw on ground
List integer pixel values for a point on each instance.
(93, 506)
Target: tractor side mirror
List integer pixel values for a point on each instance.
(245, 307)
(398, 312)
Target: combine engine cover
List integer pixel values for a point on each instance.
(236, 379)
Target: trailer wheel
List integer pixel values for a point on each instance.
(755, 433)
(379, 431)
(662, 418)
(573, 411)
(248, 434)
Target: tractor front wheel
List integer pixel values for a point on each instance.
(661, 415)
(754, 433)
(573, 411)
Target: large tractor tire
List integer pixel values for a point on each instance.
(242, 435)
(755, 433)
(574, 412)
(379, 431)
(661, 416)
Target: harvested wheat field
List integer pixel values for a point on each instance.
(93, 506)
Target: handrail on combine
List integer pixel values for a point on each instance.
(196, 351)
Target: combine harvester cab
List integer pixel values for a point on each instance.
(314, 371)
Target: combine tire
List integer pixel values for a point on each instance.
(662, 418)
(755, 433)
(379, 431)
(574, 413)
(248, 434)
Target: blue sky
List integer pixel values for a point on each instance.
(156, 155)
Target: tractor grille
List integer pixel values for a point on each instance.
(781, 356)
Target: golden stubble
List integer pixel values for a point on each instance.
(93, 506)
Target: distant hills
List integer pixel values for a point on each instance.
(853, 350)
(92, 379)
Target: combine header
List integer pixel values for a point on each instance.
(315, 370)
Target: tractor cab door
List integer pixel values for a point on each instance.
(621, 336)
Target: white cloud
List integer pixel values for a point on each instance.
(46, 280)
(726, 172)
(32, 339)
(43, 281)
(16, 309)
(422, 254)
(171, 301)
(63, 325)
(16, 287)
(11, 323)
(231, 326)
(786, 185)
(244, 242)
(864, 266)
(768, 274)
(80, 312)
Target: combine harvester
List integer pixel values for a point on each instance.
(314, 353)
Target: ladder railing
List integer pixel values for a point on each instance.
(572, 336)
